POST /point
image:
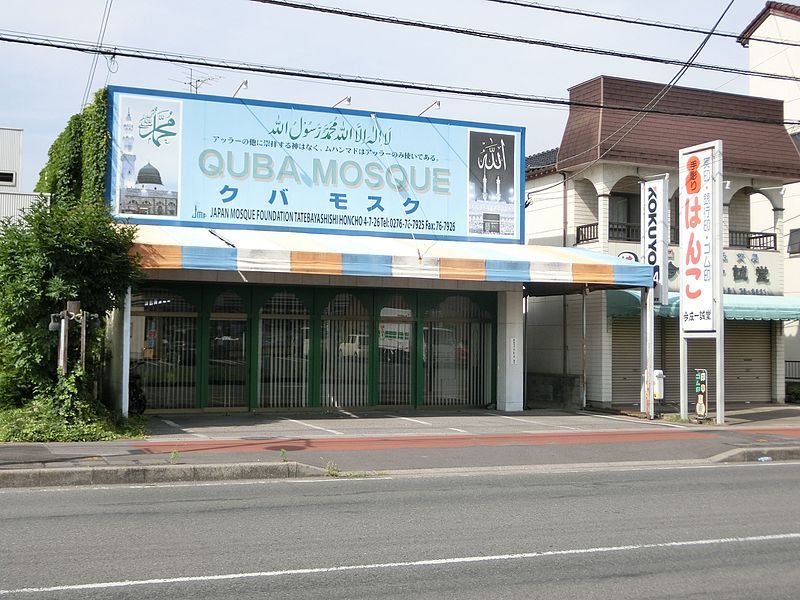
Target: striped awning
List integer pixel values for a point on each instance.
(626, 303)
(286, 252)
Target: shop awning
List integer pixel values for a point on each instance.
(625, 303)
(321, 254)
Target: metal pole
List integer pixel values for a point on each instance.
(63, 339)
(83, 340)
(718, 296)
(684, 378)
(643, 349)
(126, 353)
(651, 335)
(564, 225)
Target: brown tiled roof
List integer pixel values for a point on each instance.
(781, 9)
(749, 148)
(541, 163)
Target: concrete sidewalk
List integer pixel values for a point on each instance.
(202, 447)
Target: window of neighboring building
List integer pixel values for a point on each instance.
(794, 241)
(7, 178)
(796, 139)
(491, 223)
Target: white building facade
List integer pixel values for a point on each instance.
(586, 194)
(12, 200)
(780, 22)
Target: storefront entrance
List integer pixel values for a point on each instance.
(252, 347)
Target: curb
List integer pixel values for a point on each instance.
(151, 474)
(764, 454)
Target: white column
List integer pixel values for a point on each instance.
(126, 353)
(510, 366)
(602, 221)
(778, 363)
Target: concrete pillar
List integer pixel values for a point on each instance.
(602, 221)
(778, 363)
(777, 220)
(510, 366)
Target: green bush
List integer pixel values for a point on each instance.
(64, 412)
(67, 247)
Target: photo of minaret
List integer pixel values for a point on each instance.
(148, 135)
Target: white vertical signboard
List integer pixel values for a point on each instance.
(655, 242)
(655, 232)
(700, 225)
(697, 223)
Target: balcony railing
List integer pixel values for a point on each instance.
(631, 232)
(628, 232)
(793, 370)
(754, 240)
(586, 233)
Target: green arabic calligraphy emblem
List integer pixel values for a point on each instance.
(156, 126)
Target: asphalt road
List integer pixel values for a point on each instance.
(712, 532)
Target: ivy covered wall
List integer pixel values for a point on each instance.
(77, 162)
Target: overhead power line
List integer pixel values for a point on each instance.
(519, 39)
(632, 21)
(230, 65)
(100, 36)
(634, 121)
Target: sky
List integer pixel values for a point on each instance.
(43, 87)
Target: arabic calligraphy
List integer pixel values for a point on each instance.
(492, 156)
(334, 129)
(155, 126)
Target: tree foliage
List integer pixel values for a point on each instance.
(69, 248)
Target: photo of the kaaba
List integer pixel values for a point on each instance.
(493, 195)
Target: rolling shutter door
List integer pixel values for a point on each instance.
(747, 362)
(626, 374)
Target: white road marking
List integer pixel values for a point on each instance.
(458, 430)
(412, 420)
(408, 564)
(635, 420)
(176, 426)
(312, 426)
(349, 414)
(537, 422)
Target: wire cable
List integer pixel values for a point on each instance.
(100, 36)
(634, 121)
(518, 39)
(231, 65)
(633, 21)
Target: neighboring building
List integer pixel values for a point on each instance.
(321, 258)
(587, 195)
(781, 22)
(12, 201)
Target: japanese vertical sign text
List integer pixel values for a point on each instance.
(697, 226)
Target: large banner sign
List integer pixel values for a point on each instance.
(700, 214)
(190, 160)
(655, 233)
